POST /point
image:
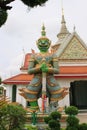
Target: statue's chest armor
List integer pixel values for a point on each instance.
(39, 58)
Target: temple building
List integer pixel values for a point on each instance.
(72, 56)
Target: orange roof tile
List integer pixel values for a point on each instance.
(26, 62)
(73, 69)
(19, 79)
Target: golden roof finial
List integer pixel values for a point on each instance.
(62, 7)
(62, 11)
(74, 28)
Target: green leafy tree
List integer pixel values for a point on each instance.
(12, 117)
(3, 16)
(33, 3)
(4, 6)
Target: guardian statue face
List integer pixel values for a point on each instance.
(43, 42)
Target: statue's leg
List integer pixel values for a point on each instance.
(54, 89)
(32, 92)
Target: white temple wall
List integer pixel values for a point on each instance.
(65, 82)
(19, 98)
(9, 91)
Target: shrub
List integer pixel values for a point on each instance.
(31, 128)
(71, 128)
(71, 110)
(54, 125)
(12, 116)
(72, 121)
(47, 119)
(55, 115)
(82, 126)
(53, 120)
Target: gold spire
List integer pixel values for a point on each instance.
(63, 29)
(62, 11)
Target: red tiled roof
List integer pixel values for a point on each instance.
(82, 76)
(19, 79)
(26, 62)
(73, 69)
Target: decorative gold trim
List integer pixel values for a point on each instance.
(57, 91)
(22, 94)
(55, 59)
(58, 99)
(50, 83)
(20, 89)
(50, 70)
(32, 110)
(37, 84)
(33, 107)
(30, 100)
(32, 59)
(29, 91)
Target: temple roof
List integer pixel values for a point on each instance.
(73, 44)
(19, 79)
(26, 62)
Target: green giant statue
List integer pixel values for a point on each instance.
(41, 63)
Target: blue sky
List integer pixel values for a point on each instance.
(23, 28)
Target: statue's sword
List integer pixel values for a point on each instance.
(44, 99)
(44, 92)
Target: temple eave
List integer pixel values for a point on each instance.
(17, 82)
(71, 76)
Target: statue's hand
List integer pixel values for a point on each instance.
(44, 67)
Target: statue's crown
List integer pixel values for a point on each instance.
(43, 36)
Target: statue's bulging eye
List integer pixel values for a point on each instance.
(46, 42)
(40, 42)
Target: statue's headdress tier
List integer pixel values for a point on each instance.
(43, 33)
(43, 36)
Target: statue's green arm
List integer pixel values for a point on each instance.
(55, 68)
(32, 68)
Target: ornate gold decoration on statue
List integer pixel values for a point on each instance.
(29, 91)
